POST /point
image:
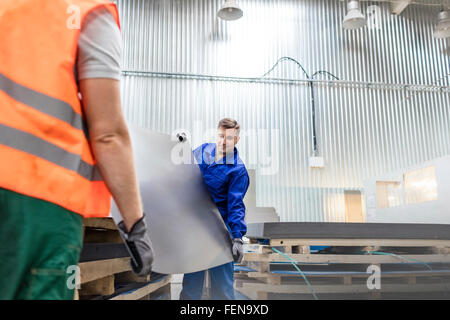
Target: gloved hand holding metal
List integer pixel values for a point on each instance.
(139, 246)
(238, 250)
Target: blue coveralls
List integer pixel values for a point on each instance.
(227, 182)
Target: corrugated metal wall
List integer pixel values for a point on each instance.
(362, 132)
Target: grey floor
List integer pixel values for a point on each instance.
(176, 286)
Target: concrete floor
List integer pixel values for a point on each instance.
(176, 286)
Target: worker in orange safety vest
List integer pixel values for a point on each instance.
(64, 144)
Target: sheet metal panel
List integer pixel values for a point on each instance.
(185, 226)
(335, 230)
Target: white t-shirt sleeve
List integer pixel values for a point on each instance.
(99, 47)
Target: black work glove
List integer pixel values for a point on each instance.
(139, 246)
(237, 250)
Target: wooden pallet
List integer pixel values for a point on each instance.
(350, 278)
(101, 277)
(264, 286)
(349, 259)
(357, 242)
(261, 291)
(264, 281)
(158, 289)
(94, 270)
(100, 230)
(349, 251)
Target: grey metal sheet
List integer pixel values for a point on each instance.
(335, 230)
(185, 226)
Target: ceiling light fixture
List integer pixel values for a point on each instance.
(354, 18)
(442, 29)
(230, 10)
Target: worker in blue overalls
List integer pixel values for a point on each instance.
(227, 180)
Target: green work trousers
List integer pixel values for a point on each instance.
(40, 245)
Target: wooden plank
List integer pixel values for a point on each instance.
(348, 280)
(240, 276)
(288, 249)
(301, 249)
(262, 295)
(146, 290)
(103, 287)
(101, 223)
(130, 276)
(94, 270)
(271, 279)
(361, 242)
(441, 250)
(257, 248)
(341, 258)
(410, 274)
(163, 293)
(261, 267)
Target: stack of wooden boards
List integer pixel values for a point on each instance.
(408, 268)
(105, 271)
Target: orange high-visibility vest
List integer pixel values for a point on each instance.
(44, 144)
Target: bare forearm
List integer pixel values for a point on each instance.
(115, 160)
(111, 144)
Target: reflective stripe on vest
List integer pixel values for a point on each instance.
(44, 147)
(41, 102)
(28, 143)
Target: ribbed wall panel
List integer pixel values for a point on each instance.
(362, 133)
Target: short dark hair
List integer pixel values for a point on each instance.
(228, 123)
